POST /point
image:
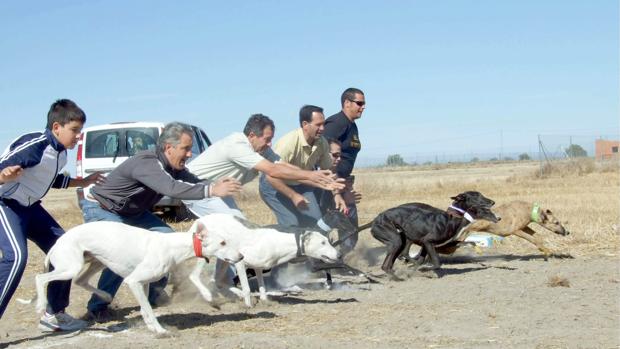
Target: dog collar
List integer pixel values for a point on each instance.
(535, 216)
(299, 240)
(197, 245)
(468, 217)
(461, 211)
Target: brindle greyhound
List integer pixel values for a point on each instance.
(516, 216)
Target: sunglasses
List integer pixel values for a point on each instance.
(359, 103)
(336, 155)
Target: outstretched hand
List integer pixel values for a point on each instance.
(225, 187)
(327, 180)
(300, 201)
(10, 173)
(95, 178)
(340, 204)
(357, 196)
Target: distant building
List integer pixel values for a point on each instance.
(606, 149)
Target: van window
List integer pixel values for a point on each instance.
(140, 139)
(196, 145)
(119, 142)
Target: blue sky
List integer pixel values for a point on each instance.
(440, 77)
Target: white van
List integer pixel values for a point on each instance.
(101, 148)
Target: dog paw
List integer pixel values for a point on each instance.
(431, 275)
(215, 305)
(162, 333)
(427, 267)
(393, 277)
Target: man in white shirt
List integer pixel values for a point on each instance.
(242, 156)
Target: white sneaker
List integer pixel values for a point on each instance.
(60, 322)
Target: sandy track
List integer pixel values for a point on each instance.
(492, 300)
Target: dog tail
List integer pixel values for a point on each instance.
(46, 263)
(46, 269)
(359, 229)
(365, 226)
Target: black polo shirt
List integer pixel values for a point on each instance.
(339, 127)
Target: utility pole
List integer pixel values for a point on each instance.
(501, 144)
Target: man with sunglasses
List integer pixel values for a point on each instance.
(342, 127)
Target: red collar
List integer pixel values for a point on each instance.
(197, 245)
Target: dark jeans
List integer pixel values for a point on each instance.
(17, 225)
(109, 281)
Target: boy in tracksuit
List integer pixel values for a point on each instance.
(28, 169)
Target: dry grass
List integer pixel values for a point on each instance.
(586, 199)
(557, 281)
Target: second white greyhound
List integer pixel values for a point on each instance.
(262, 248)
(138, 255)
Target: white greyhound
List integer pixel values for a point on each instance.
(262, 248)
(138, 255)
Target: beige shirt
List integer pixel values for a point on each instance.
(232, 156)
(295, 150)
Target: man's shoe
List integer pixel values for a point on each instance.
(60, 322)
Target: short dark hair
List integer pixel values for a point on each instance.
(63, 111)
(257, 123)
(349, 94)
(331, 141)
(305, 113)
(172, 134)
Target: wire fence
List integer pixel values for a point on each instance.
(549, 148)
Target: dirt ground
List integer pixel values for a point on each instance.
(505, 296)
(492, 300)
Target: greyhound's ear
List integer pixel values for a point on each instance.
(201, 230)
(457, 198)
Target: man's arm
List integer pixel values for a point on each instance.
(304, 181)
(297, 199)
(95, 178)
(149, 172)
(323, 179)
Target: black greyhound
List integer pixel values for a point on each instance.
(426, 226)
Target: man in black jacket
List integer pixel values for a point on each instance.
(132, 188)
(342, 127)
